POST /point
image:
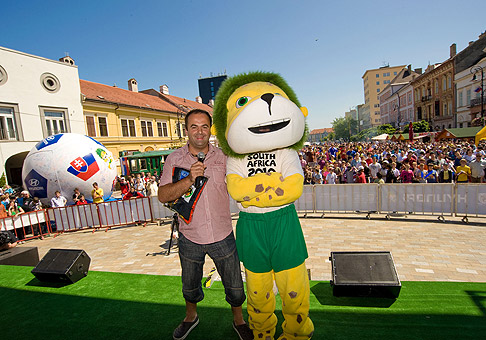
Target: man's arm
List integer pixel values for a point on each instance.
(172, 191)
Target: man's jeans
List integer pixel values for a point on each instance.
(225, 257)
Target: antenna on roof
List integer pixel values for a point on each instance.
(200, 75)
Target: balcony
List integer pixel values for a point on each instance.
(426, 98)
(475, 102)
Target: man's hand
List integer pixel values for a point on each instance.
(197, 169)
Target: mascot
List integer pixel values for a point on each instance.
(260, 125)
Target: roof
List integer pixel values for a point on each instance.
(189, 104)
(318, 131)
(109, 94)
(461, 132)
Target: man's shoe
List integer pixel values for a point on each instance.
(183, 330)
(243, 331)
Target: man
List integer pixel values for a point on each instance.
(477, 168)
(210, 231)
(124, 186)
(58, 200)
(152, 187)
(97, 193)
(375, 168)
(361, 178)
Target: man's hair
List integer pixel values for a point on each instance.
(198, 111)
(95, 184)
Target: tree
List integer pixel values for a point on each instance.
(421, 126)
(344, 128)
(386, 128)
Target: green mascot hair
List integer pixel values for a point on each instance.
(220, 112)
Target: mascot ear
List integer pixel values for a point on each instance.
(213, 130)
(304, 111)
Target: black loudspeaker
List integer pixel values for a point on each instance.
(364, 274)
(20, 256)
(63, 266)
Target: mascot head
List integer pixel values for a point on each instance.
(256, 112)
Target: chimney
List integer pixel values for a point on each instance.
(199, 99)
(418, 70)
(68, 60)
(132, 85)
(409, 67)
(453, 50)
(164, 89)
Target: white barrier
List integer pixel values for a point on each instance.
(342, 198)
(74, 217)
(471, 199)
(22, 220)
(159, 210)
(305, 203)
(124, 212)
(419, 198)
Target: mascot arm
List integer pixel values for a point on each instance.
(286, 191)
(244, 189)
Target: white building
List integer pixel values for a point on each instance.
(38, 98)
(468, 94)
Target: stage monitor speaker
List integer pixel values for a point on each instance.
(20, 256)
(63, 266)
(364, 274)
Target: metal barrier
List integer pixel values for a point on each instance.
(26, 226)
(470, 200)
(346, 198)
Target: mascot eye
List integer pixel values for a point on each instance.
(242, 101)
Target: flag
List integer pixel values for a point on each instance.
(478, 89)
(84, 167)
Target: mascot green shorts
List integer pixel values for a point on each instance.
(270, 241)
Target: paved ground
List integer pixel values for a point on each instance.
(423, 250)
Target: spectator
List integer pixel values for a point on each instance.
(76, 195)
(463, 174)
(124, 186)
(5, 200)
(14, 209)
(406, 175)
(375, 168)
(303, 162)
(379, 179)
(58, 200)
(445, 174)
(361, 178)
(35, 204)
(139, 184)
(97, 193)
(7, 240)
(477, 168)
(316, 176)
(3, 211)
(432, 174)
(81, 200)
(132, 194)
(152, 187)
(331, 177)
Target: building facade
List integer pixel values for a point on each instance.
(374, 81)
(39, 97)
(318, 135)
(468, 87)
(397, 100)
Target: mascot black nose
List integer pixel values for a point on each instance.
(268, 98)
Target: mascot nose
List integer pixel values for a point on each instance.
(268, 98)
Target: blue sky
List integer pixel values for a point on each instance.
(321, 48)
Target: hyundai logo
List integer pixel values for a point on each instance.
(33, 182)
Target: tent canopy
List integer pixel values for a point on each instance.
(383, 136)
(480, 135)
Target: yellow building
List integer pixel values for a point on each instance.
(374, 81)
(127, 120)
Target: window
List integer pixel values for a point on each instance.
(445, 109)
(147, 130)
(387, 74)
(468, 97)
(449, 109)
(444, 79)
(386, 82)
(377, 75)
(184, 130)
(409, 98)
(128, 128)
(8, 129)
(395, 73)
(55, 121)
(377, 90)
(449, 82)
(436, 86)
(377, 83)
(460, 98)
(162, 129)
(103, 125)
(90, 126)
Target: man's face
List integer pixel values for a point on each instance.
(198, 130)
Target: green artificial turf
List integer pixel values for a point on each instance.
(132, 306)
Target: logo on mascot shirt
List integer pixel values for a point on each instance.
(84, 167)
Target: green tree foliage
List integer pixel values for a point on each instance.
(386, 128)
(3, 181)
(421, 126)
(344, 128)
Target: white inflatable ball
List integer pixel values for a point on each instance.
(67, 161)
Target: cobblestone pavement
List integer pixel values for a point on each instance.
(423, 250)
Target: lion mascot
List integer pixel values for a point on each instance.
(260, 126)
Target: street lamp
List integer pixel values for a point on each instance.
(474, 70)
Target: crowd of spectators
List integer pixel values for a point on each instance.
(394, 162)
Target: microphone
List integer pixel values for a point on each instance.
(199, 179)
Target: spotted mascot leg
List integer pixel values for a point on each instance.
(294, 289)
(261, 304)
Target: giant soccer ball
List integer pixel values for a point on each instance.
(66, 161)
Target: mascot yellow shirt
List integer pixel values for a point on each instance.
(282, 161)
